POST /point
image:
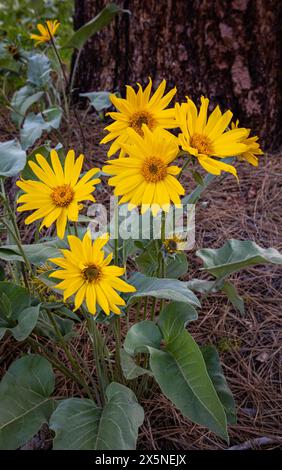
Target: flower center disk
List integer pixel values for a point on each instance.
(139, 118)
(62, 196)
(202, 143)
(92, 273)
(154, 169)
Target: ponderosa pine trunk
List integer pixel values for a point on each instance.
(229, 51)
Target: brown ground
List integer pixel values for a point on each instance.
(250, 344)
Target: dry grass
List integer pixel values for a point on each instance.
(250, 344)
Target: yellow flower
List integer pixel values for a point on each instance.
(146, 179)
(206, 137)
(174, 244)
(138, 109)
(86, 273)
(47, 32)
(253, 147)
(58, 194)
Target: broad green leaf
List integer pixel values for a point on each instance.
(178, 366)
(21, 102)
(53, 116)
(93, 26)
(215, 372)
(185, 381)
(37, 254)
(140, 336)
(32, 129)
(177, 266)
(230, 290)
(100, 100)
(18, 296)
(176, 315)
(170, 289)
(80, 425)
(12, 158)
(25, 400)
(45, 328)
(235, 255)
(17, 316)
(129, 368)
(199, 285)
(38, 70)
(35, 124)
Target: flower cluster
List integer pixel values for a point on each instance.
(144, 175)
(148, 178)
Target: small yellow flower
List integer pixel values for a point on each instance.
(138, 109)
(253, 147)
(86, 273)
(206, 137)
(47, 32)
(58, 194)
(147, 179)
(174, 244)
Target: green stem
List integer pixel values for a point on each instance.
(92, 330)
(70, 357)
(184, 167)
(58, 365)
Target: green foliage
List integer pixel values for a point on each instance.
(25, 400)
(129, 368)
(179, 367)
(235, 255)
(170, 289)
(100, 100)
(37, 254)
(12, 158)
(80, 425)
(148, 262)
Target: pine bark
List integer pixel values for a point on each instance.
(229, 51)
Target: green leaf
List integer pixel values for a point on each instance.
(177, 266)
(80, 425)
(230, 290)
(176, 315)
(141, 336)
(129, 368)
(38, 70)
(93, 26)
(45, 328)
(215, 372)
(190, 370)
(178, 366)
(21, 102)
(35, 124)
(16, 314)
(170, 289)
(32, 129)
(37, 254)
(199, 285)
(25, 400)
(235, 255)
(12, 158)
(100, 100)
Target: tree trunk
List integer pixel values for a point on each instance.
(228, 50)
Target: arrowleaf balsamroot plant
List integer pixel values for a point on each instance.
(75, 277)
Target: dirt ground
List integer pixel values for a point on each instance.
(249, 344)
